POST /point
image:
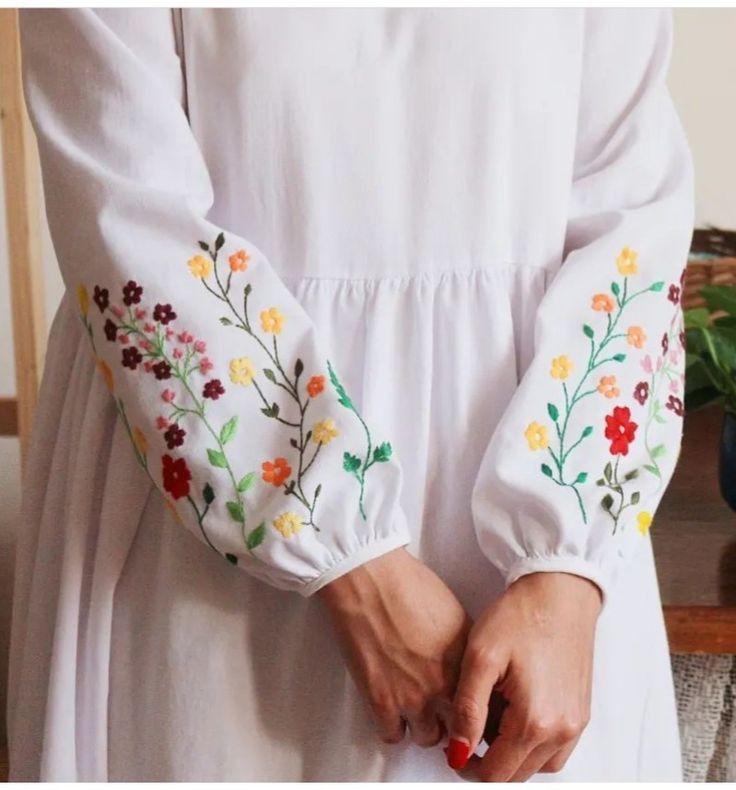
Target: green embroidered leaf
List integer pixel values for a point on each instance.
(317, 491)
(608, 472)
(217, 458)
(308, 437)
(587, 431)
(656, 287)
(269, 374)
(204, 246)
(632, 474)
(246, 482)
(256, 536)
(600, 482)
(615, 289)
(219, 241)
(651, 468)
(635, 497)
(607, 503)
(588, 331)
(246, 291)
(546, 470)
(660, 419)
(298, 368)
(289, 487)
(659, 450)
(235, 509)
(208, 494)
(229, 429)
(350, 463)
(225, 321)
(382, 453)
(619, 357)
(293, 442)
(231, 558)
(581, 478)
(343, 398)
(275, 409)
(267, 411)
(553, 411)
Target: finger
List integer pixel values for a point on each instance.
(424, 728)
(534, 762)
(558, 760)
(389, 723)
(479, 673)
(517, 738)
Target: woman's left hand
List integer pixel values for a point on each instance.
(534, 646)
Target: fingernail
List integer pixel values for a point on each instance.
(458, 753)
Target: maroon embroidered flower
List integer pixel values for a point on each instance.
(674, 294)
(213, 389)
(176, 476)
(163, 313)
(665, 343)
(641, 392)
(132, 293)
(174, 436)
(675, 404)
(162, 370)
(620, 430)
(132, 357)
(102, 298)
(110, 329)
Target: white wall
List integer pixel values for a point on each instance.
(703, 83)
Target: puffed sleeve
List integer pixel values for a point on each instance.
(227, 393)
(577, 465)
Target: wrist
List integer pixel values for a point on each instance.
(567, 589)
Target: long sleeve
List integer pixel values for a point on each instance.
(577, 465)
(228, 395)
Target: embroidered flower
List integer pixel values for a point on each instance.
(635, 337)
(213, 389)
(682, 339)
(643, 522)
(603, 302)
(205, 365)
(83, 299)
(185, 337)
(168, 395)
(132, 293)
(276, 472)
(140, 441)
(641, 392)
(646, 364)
(239, 261)
(162, 370)
(161, 423)
(140, 313)
(101, 298)
(106, 373)
(620, 430)
(242, 371)
(132, 357)
(200, 346)
(325, 431)
(174, 436)
(537, 436)
(675, 404)
(315, 386)
(288, 524)
(111, 330)
(164, 314)
(627, 261)
(176, 476)
(200, 266)
(607, 387)
(665, 343)
(177, 353)
(272, 320)
(673, 294)
(172, 509)
(561, 367)
(117, 311)
(123, 340)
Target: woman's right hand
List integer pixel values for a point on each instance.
(403, 634)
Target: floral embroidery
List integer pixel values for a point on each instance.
(620, 430)
(288, 524)
(561, 367)
(200, 266)
(627, 262)
(635, 337)
(315, 386)
(643, 521)
(272, 321)
(537, 436)
(176, 476)
(276, 472)
(325, 431)
(607, 387)
(604, 303)
(242, 371)
(239, 261)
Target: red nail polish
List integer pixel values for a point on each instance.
(458, 753)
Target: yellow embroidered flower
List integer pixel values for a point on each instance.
(603, 302)
(627, 261)
(200, 266)
(537, 436)
(288, 524)
(140, 441)
(643, 522)
(83, 299)
(561, 367)
(272, 320)
(607, 386)
(325, 431)
(106, 373)
(242, 371)
(635, 336)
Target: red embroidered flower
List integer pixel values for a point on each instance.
(132, 357)
(176, 476)
(162, 370)
(641, 392)
(102, 298)
(674, 294)
(163, 313)
(675, 404)
(315, 386)
(111, 330)
(174, 436)
(213, 389)
(665, 343)
(132, 293)
(620, 430)
(276, 472)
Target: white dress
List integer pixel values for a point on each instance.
(338, 281)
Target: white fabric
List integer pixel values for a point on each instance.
(431, 199)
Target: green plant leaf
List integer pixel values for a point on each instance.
(657, 287)
(208, 494)
(350, 463)
(553, 412)
(217, 458)
(588, 331)
(600, 482)
(651, 468)
(317, 491)
(343, 398)
(246, 482)
(697, 317)
(546, 470)
(720, 297)
(235, 509)
(581, 478)
(267, 411)
(635, 498)
(382, 453)
(275, 409)
(229, 429)
(256, 536)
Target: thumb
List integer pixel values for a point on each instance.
(478, 675)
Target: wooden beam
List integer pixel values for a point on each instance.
(701, 629)
(8, 417)
(22, 201)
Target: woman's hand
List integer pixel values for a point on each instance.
(403, 633)
(535, 646)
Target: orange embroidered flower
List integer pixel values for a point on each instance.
(627, 261)
(272, 320)
(106, 373)
(276, 472)
(607, 387)
(172, 509)
(635, 336)
(239, 261)
(140, 441)
(315, 386)
(603, 302)
(83, 299)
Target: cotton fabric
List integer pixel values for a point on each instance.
(447, 244)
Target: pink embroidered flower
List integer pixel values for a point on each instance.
(200, 346)
(168, 395)
(149, 327)
(184, 337)
(169, 333)
(205, 365)
(148, 366)
(145, 345)
(161, 423)
(124, 339)
(140, 313)
(178, 353)
(674, 386)
(646, 364)
(117, 311)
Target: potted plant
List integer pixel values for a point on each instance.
(711, 371)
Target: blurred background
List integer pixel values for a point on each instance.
(703, 83)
